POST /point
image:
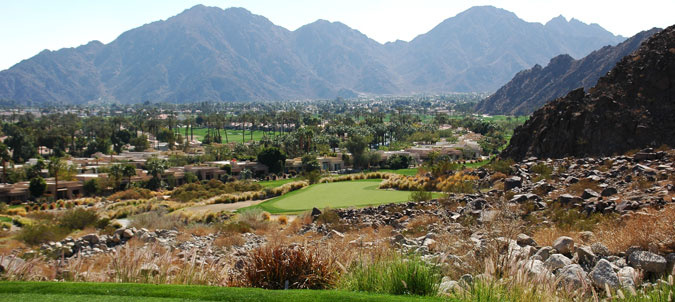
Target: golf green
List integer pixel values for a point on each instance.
(334, 195)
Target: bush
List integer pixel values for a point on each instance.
(78, 219)
(41, 233)
(91, 187)
(197, 191)
(503, 166)
(420, 195)
(133, 193)
(283, 267)
(394, 275)
(37, 187)
(399, 161)
(3, 208)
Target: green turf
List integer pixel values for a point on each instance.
(89, 292)
(407, 172)
(276, 183)
(232, 135)
(343, 194)
(5, 219)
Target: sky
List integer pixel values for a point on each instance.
(30, 26)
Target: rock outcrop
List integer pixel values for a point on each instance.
(631, 107)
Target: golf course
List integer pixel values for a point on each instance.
(344, 194)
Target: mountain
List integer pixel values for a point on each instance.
(530, 89)
(210, 54)
(631, 107)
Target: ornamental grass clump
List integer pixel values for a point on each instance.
(284, 267)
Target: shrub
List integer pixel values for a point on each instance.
(37, 186)
(283, 220)
(3, 208)
(78, 219)
(328, 216)
(501, 165)
(91, 187)
(281, 267)
(255, 218)
(155, 220)
(133, 193)
(394, 275)
(420, 195)
(41, 233)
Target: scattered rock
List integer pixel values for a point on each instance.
(557, 261)
(602, 274)
(524, 240)
(647, 261)
(564, 245)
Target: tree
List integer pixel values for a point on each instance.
(4, 157)
(56, 166)
(273, 158)
(128, 171)
(155, 167)
(309, 163)
(37, 187)
(357, 145)
(91, 187)
(140, 143)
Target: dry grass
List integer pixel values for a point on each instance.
(228, 240)
(653, 230)
(419, 225)
(546, 236)
(583, 184)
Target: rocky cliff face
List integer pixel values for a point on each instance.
(633, 106)
(531, 89)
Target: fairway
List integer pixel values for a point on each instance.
(334, 195)
(233, 135)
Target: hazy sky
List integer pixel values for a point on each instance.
(29, 26)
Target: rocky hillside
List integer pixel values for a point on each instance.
(210, 54)
(531, 89)
(629, 108)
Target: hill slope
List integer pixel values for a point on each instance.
(210, 54)
(631, 107)
(532, 88)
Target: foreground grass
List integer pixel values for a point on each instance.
(60, 291)
(343, 194)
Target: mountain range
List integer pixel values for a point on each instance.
(632, 107)
(211, 54)
(531, 89)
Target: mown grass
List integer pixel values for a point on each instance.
(276, 183)
(66, 291)
(407, 172)
(357, 193)
(232, 135)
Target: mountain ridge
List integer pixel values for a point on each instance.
(211, 54)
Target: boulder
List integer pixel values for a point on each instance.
(524, 240)
(127, 234)
(9, 263)
(448, 286)
(647, 261)
(557, 261)
(589, 193)
(536, 268)
(513, 182)
(609, 191)
(572, 276)
(603, 274)
(627, 276)
(670, 264)
(543, 253)
(585, 256)
(564, 245)
(149, 269)
(568, 199)
(599, 249)
(91, 238)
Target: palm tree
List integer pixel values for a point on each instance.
(4, 157)
(128, 171)
(55, 166)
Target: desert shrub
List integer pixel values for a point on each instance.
(328, 216)
(457, 183)
(234, 227)
(133, 193)
(157, 219)
(21, 211)
(543, 170)
(280, 267)
(420, 195)
(196, 191)
(396, 275)
(78, 219)
(283, 220)
(501, 165)
(39, 233)
(255, 218)
(3, 208)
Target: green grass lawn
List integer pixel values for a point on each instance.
(117, 292)
(5, 219)
(276, 183)
(232, 135)
(407, 172)
(343, 194)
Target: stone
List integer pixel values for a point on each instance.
(91, 238)
(544, 252)
(585, 256)
(564, 245)
(589, 193)
(9, 263)
(466, 279)
(536, 268)
(609, 191)
(524, 240)
(315, 212)
(599, 249)
(647, 261)
(512, 182)
(127, 234)
(587, 236)
(572, 276)
(568, 199)
(557, 261)
(670, 264)
(627, 276)
(603, 274)
(448, 286)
